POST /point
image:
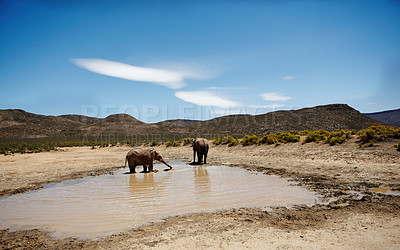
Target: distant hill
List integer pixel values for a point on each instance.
(118, 125)
(21, 124)
(177, 126)
(391, 117)
(328, 117)
(16, 123)
(84, 120)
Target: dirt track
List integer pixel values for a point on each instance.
(372, 222)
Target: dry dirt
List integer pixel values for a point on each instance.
(349, 222)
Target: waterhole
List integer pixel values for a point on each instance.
(100, 206)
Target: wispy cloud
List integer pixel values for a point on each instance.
(223, 88)
(188, 69)
(361, 96)
(167, 78)
(288, 78)
(204, 98)
(275, 96)
(268, 106)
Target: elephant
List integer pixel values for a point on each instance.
(143, 157)
(200, 146)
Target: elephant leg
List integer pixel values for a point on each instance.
(132, 168)
(199, 157)
(145, 169)
(151, 168)
(205, 158)
(194, 155)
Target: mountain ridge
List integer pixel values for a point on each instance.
(391, 117)
(21, 124)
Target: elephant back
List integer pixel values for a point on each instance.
(200, 144)
(140, 155)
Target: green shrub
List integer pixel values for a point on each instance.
(233, 142)
(398, 146)
(338, 137)
(227, 139)
(305, 132)
(377, 133)
(168, 143)
(286, 137)
(337, 140)
(367, 135)
(176, 144)
(217, 140)
(280, 137)
(269, 139)
(188, 141)
(316, 136)
(250, 140)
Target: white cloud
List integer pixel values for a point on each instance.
(275, 96)
(223, 88)
(204, 98)
(288, 78)
(268, 106)
(361, 96)
(189, 69)
(167, 78)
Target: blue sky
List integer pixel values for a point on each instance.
(159, 60)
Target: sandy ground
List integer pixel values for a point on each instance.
(350, 222)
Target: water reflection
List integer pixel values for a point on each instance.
(142, 186)
(202, 181)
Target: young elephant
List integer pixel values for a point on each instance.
(200, 146)
(143, 157)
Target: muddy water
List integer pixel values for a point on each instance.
(103, 205)
(386, 191)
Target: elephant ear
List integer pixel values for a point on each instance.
(153, 153)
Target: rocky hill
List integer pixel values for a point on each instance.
(328, 117)
(118, 125)
(84, 120)
(391, 117)
(21, 124)
(177, 126)
(16, 123)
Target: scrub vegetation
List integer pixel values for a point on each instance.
(331, 138)
(378, 133)
(369, 136)
(366, 137)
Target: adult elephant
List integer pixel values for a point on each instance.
(143, 157)
(200, 146)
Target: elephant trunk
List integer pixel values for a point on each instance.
(167, 164)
